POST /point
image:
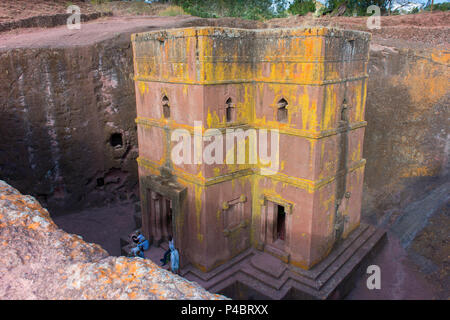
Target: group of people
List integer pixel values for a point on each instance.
(171, 255)
(141, 243)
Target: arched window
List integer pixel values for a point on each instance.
(344, 110)
(166, 107)
(282, 112)
(229, 110)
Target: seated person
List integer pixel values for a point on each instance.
(138, 237)
(142, 244)
(139, 253)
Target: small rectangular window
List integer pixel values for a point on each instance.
(230, 114)
(166, 111)
(282, 112)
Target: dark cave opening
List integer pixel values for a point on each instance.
(100, 182)
(116, 140)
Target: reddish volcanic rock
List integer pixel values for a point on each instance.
(40, 261)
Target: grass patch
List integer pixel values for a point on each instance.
(98, 2)
(172, 11)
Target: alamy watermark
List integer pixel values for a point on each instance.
(74, 20)
(374, 280)
(252, 147)
(374, 21)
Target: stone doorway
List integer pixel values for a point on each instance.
(161, 203)
(281, 223)
(275, 227)
(160, 217)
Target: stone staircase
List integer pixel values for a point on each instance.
(270, 277)
(126, 243)
(262, 272)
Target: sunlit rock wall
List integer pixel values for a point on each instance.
(407, 136)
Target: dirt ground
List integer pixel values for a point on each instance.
(12, 10)
(103, 225)
(400, 278)
(433, 243)
(420, 30)
(90, 32)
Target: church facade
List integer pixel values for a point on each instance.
(300, 91)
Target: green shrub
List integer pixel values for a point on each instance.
(99, 1)
(247, 9)
(358, 6)
(439, 7)
(302, 7)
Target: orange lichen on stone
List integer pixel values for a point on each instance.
(425, 81)
(418, 172)
(66, 267)
(295, 81)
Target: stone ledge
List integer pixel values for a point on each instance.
(48, 21)
(40, 261)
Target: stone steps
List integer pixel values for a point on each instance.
(276, 280)
(206, 276)
(315, 272)
(355, 265)
(219, 274)
(262, 272)
(126, 250)
(272, 282)
(260, 287)
(343, 256)
(339, 267)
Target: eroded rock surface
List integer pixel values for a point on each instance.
(40, 261)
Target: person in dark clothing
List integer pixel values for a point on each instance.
(167, 253)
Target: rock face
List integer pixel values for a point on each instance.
(67, 118)
(407, 138)
(40, 261)
(47, 21)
